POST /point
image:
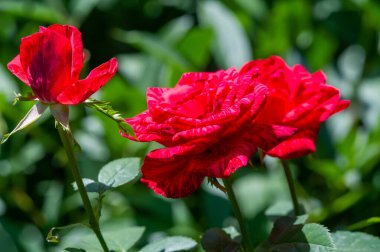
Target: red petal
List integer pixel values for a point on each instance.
(342, 105)
(154, 96)
(209, 131)
(46, 60)
(227, 156)
(178, 171)
(300, 144)
(172, 178)
(75, 38)
(16, 68)
(147, 130)
(266, 137)
(79, 91)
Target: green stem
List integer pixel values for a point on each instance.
(68, 145)
(247, 244)
(291, 186)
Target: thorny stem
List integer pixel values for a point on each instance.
(68, 145)
(292, 189)
(247, 244)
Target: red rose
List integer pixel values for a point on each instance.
(296, 99)
(212, 123)
(50, 62)
(207, 125)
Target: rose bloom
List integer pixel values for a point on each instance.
(212, 123)
(296, 99)
(50, 62)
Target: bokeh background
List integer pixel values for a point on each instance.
(155, 42)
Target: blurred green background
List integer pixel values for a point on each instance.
(155, 42)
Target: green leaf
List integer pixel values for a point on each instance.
(32, 10)
(264, 189)
(364, 223)
(232, 232)
(284, 208)
(232, 47)
(119, 172)
(289, 235)
(355, 242)
(154, 46)
(73, 250)
(34, 113)
(171, 244)
(6, 241)
(118, 238)
(176, 29)
(197, 40)
(116, 173)
(92, 186)
(106, 109)
(216, 239)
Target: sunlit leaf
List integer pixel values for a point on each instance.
(283, 208)
(119, 172)
(176, 29)
(119, 237)
(232, 46)
(232, 232)
(355, 241)
(170, 244)
(364, 223)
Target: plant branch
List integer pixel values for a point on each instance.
(68, 145)
(247, 244)
(291, 186)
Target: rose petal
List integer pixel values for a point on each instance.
(147, 130)
(226, 156)
(342, 105)
(302, 143)
(46, 60)
(79, 91)
(210, 131)
(172, 178)
(154, 96)
(267, 137)
(75, 38)
(16, 68)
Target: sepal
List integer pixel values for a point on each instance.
(61, 114)
(34, 113)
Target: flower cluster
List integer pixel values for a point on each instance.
(212, 123)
